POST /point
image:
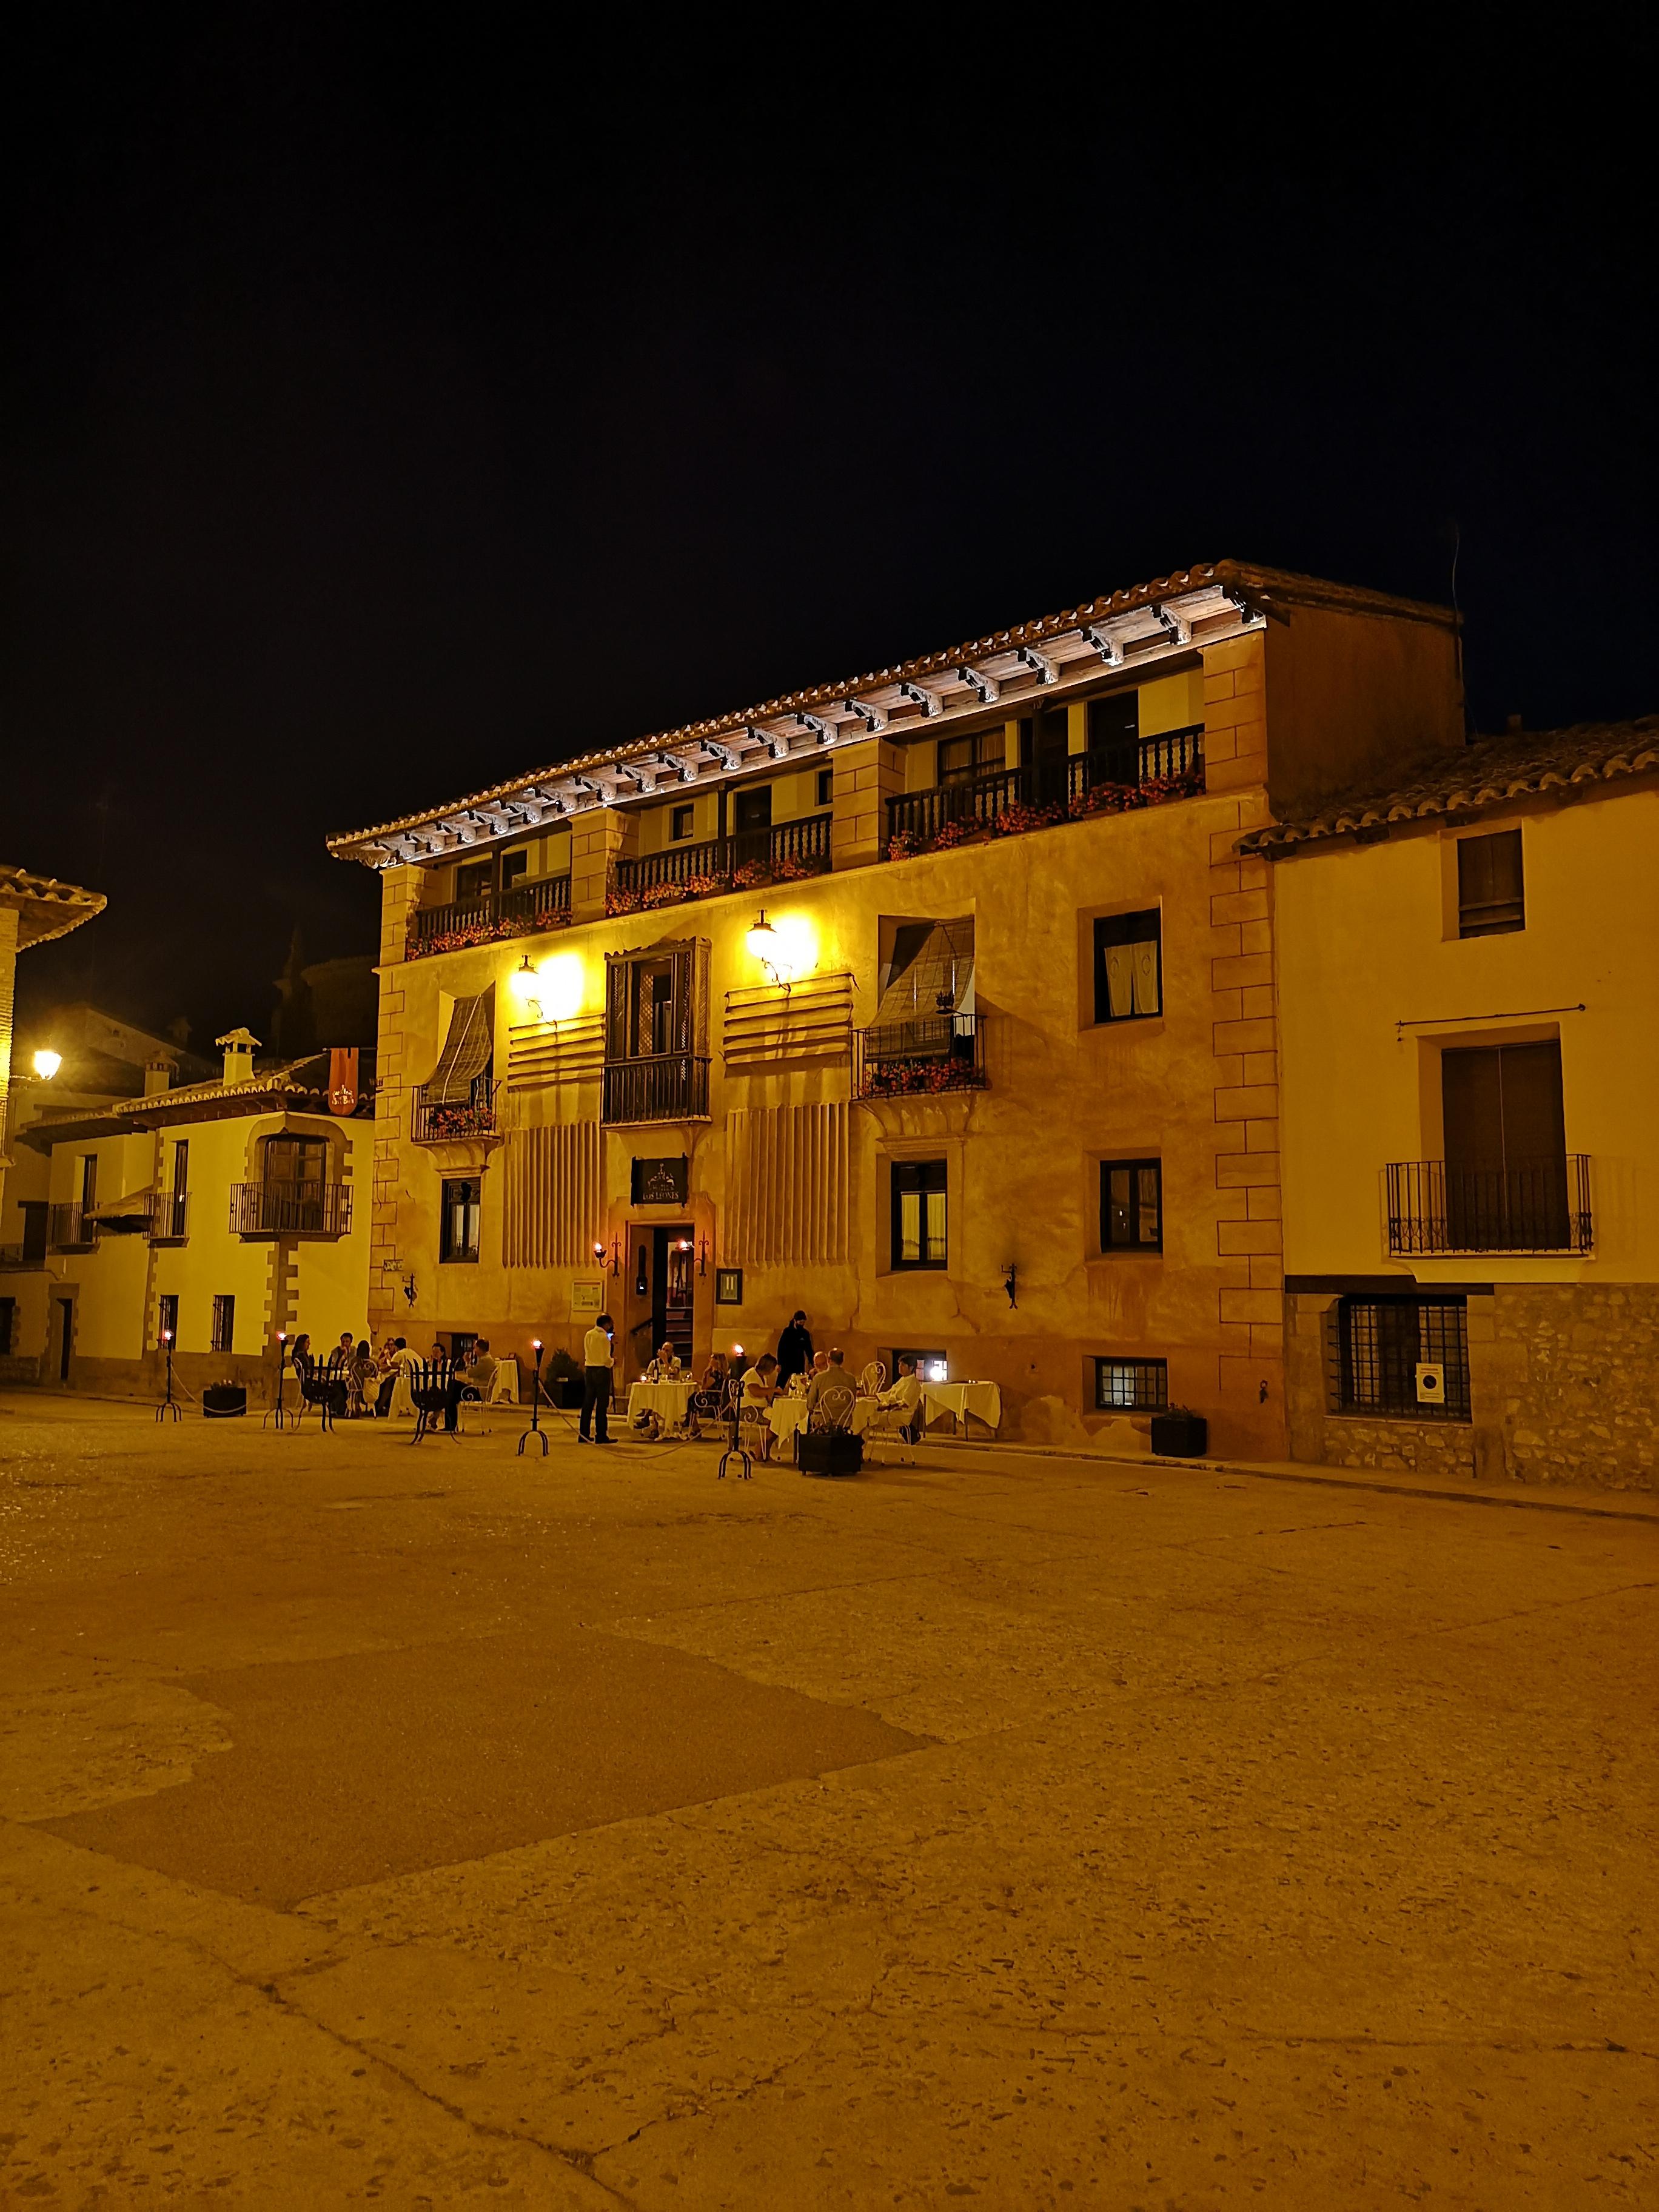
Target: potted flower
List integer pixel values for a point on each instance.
(1179, 1433)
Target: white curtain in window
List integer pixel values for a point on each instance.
(1131, 979)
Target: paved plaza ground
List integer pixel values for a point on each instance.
(438, 1827)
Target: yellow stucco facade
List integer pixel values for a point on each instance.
(1377, 986)
(790, 1173)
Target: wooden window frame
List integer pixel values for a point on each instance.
(1134, 1249)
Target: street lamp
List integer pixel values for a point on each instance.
(47, 1063)
(534, 1429)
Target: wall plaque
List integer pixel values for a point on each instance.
(661, 1183)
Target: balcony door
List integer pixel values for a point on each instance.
(1506, 1163)
(296, 1170)
(656, 1027)
(751, 830)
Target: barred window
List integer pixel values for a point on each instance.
(224, 1325)
(1383, 1348)
(1127, 1385)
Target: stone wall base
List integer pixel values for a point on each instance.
(1564, 1387)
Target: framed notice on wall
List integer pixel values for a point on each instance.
(586, 1299)
(728, 1286)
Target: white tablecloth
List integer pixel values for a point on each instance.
(789, 1417)
(982, 1399)
(669, 1401)
(504, 1384)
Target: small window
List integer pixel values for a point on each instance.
(224, 1325)
(1489, 893)
(461, 1219)
(930, 1366)
(1407, 1357)
(754, 809)
(826, 786)
(514, 867)
(919, 1213)
(961, 759)
(1128, 966)
(473, 882)
(1131, 1386)
(1132, 1205)
(681, 821)
(167, 1320)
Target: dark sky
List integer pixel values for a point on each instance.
(393, 402)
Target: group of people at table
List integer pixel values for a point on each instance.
(793, 1389)
(361, 1383)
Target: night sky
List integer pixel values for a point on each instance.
(393, 403)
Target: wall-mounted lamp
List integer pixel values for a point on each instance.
(47, 1063)
(703, 1256)
(525, 984)
(616, 1256)
(408, 1289)
(1011, 1282)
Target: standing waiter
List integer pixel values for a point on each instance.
(794, 1350)
(595, 1380)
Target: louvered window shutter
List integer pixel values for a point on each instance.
(615, 1009)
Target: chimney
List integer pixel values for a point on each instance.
(240, 1046)
(158, 1076)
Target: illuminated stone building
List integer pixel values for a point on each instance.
(1469, 1016)
(940, 1002)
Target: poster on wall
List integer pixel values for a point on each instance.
(586, 1299)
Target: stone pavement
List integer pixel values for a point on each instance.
(441, 1826)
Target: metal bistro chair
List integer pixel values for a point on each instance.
(872, 1379)
(828, 1446)
(731, 1401)
(322, 1384)
(428, 1389)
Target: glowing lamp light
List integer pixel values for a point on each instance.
(525, 983)
(737, 1352)
(535, 1343)
(599, 1251)
(47, 1063)
(561, 985)
(166, 1336)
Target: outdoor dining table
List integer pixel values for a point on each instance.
(669, 1401)
(982, 1399)
(787, 1416)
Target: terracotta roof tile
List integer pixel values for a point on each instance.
(46, 906)
(1488, 773)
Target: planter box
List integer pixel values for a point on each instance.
(222, 1400)
(1180, 1436)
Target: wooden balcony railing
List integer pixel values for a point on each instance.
(290, 1209)
(71, 1229)
(520, 911)
(435, 1122)
(1068, 788)
(671, 1087)
(919, 1058)
(1525, 1206)
(723, 863)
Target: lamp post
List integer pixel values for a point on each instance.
(534, 1429)
(169, 1404)
(276, 1412)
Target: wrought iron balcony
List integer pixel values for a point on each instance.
(669, 1087)
(290, 1209)
(519, 911)
(752, 857)
(436, 1120)
(1525, 1206)
(1115, 780)
(919, 1058)
(72, 1228)
(169, 1217)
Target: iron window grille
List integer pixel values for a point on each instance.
(223, 1338)
(166, 1317)
(1131, 1386)
(920, 1213)
(1381, 1342)
(1131, 1205)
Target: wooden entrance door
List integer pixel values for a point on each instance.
(1506, 1151)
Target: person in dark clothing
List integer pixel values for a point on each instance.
(795, 1351)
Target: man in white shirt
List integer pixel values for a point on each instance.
(597, 1357)
(898, 1407)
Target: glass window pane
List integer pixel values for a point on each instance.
(1118, 1205)
(909, 1225)
(1148, 1218)
(935, 1224)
